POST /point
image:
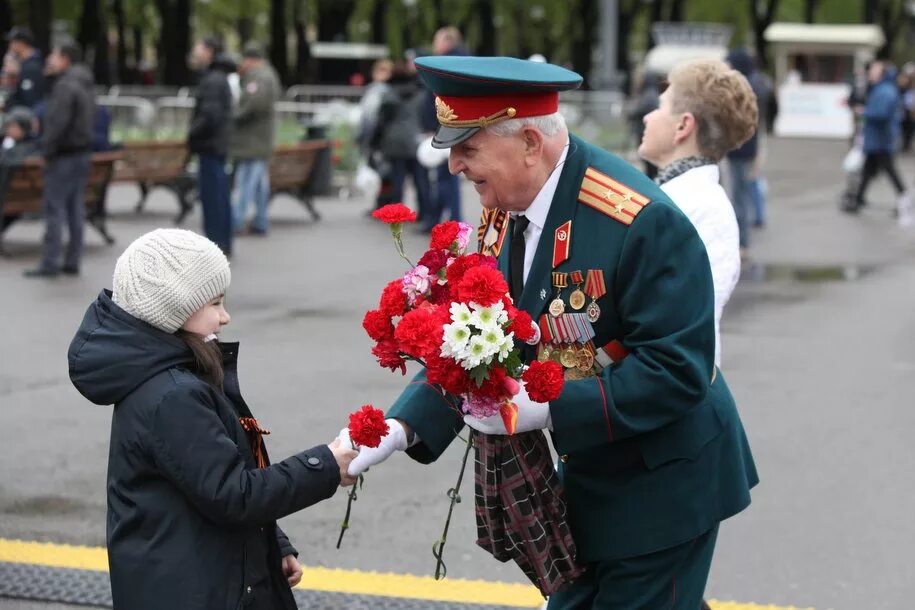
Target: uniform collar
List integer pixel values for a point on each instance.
(540, 207)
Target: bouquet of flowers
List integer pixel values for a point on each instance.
(451, 313)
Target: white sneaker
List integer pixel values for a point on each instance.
(905, 214)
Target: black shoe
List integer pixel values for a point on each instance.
(70, 270)
(40, 272)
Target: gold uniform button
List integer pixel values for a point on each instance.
(564, 458)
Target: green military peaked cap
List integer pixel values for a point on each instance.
(473, 92)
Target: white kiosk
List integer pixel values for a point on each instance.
(815, 66)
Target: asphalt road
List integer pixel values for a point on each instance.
(817, 349)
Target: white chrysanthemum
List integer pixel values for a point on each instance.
(488, 317)
(475, 353)
(506, 346)
(460, 313)
(455, 339)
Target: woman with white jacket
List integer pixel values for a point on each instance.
(707, 110)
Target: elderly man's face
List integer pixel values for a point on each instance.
(496, 166)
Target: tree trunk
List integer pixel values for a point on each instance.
(303, 63)
(245, 29)
(760, 22)
(6, 22)
(892, 17)
(871, 8)
(183, 20)
(677, 11)
(379, 31)
(174, 41)
(656, 16)
(137, 46)
(88, 25)
(40, 17)
(121, 53)
(583, 44)
(278, 55)
(487, 28)
(810, 7)
(102, 65)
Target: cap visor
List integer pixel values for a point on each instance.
(446, 137)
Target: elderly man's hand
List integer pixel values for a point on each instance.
(531, 416)
(395, 440)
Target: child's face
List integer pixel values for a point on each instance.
(209, 319)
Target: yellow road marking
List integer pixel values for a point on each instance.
(353, 582)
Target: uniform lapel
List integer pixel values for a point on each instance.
(562, 209)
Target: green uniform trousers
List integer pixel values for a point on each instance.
(672, 579)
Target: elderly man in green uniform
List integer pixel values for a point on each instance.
(653, 455)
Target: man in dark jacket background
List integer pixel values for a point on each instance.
(208, 138)
(30, 86)
(66, 146)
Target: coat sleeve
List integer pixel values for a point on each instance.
(191, 448)
(665, 300)
(433, 415)
(881, 105)
(286, 547)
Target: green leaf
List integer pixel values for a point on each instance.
(479, 374)
(513, 363)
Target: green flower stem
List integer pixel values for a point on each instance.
(397, 233)
(349, 506)
(438, 548)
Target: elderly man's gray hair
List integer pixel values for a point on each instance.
(550, 125)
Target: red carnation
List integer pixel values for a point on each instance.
(434, 260)
(393, 301)
(394, 213)
(439, 295)
(377, 324)
(521, 325)
(543, 381)
(367, 426)
(480, 285)
(447, 373)
(389, 356)
(494, 386)
(461, 264)
(444, 235)
(419, 333)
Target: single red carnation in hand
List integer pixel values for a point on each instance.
(461, 264)
(419, 332)
(521, 324)
(543, 381)
(394, 213)
(494, 386)
(378, 325)
(448, 374)
(434, 260)
(393, 300)
(444, 235)
(389, 357)
(367, 426)
(480, 285)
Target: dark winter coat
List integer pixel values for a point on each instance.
(69, 114)
(399, 129)
(191, 519)
(31, 86)
(212, 118)
(741, 61)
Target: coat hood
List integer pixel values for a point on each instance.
(113, 353)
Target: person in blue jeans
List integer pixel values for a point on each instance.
(208, 138)
(251, 143)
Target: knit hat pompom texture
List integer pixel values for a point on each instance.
(166, 275)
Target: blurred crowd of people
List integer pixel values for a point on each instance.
(398, 118)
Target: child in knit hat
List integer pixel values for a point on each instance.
(192, 497)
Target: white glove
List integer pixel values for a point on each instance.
(394, 440)
(531, 416)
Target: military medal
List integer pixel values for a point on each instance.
(545, 353)
(577, 298)
(595, 288)
(560, 281)
(584, 360)
(569, 357)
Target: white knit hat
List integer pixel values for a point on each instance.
(166, 275)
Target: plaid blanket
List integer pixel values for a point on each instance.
(520, 509)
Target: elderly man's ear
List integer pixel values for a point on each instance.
(533, 145)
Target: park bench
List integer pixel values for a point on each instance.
(151, 164)
(26, 188)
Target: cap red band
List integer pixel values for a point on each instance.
(480, 111)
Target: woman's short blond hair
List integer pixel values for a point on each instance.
(720, 99)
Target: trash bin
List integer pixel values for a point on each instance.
(319, 183)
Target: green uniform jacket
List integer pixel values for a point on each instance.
(653, 451)
(253, 121)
